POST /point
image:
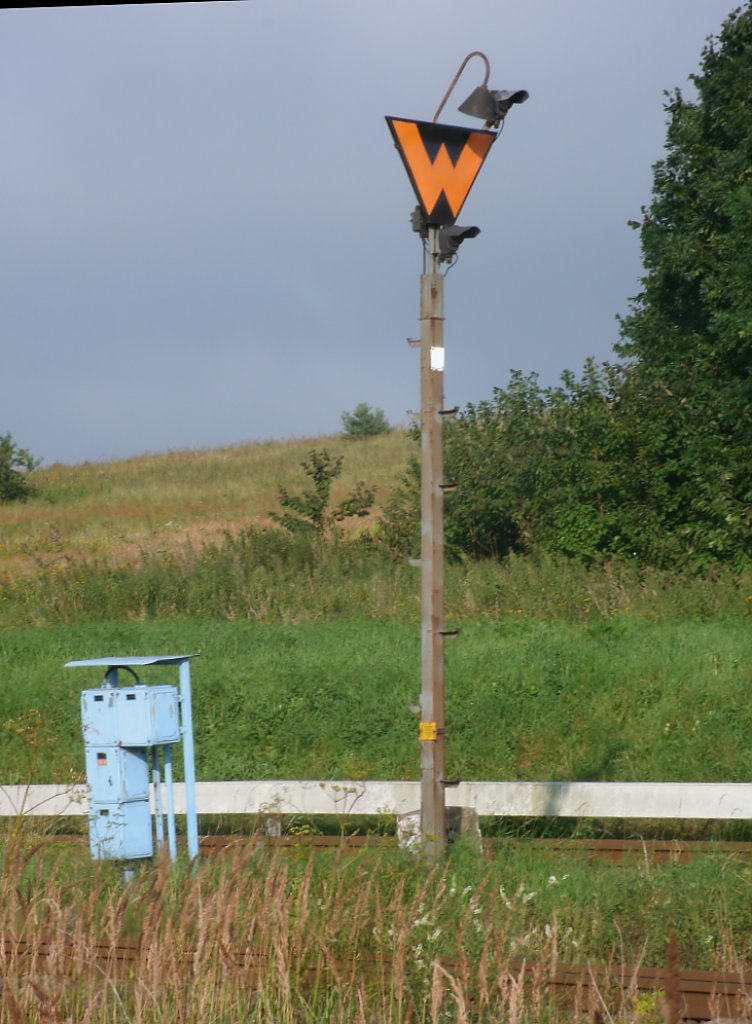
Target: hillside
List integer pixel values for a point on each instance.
(160, 502)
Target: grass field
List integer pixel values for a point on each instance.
(627, 699)
(309, 659)
(310, 650)
(160, 502)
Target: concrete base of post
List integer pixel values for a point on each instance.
(461, 822)
(408, 831)
(273, 826)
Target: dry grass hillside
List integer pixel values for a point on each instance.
(116, 510)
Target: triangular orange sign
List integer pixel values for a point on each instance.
(442, 162)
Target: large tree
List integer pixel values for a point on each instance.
(688, 337)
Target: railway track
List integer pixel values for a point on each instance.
(615, 850)
(697, 995)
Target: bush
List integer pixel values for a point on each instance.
(364, 422)
(15, 464)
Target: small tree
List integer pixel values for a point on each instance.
(15, 465)
(364, 421)
(310, 511)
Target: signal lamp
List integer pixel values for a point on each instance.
(450, 239)
(492, 106)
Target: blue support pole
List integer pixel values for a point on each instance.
(156, 778)
(189, 761)
(171, 837)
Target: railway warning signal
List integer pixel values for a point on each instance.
(442, 162)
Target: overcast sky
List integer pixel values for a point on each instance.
(204, 224)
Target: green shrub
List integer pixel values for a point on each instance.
(15, 465)
(364, 421)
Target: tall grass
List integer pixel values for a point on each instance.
(267, 575)
(377, 939)
(159, 502)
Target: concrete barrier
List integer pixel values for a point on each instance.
(677, 800)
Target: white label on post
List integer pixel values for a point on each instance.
(437, 358)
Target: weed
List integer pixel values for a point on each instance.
(259, 936)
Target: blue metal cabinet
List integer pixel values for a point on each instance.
(129, 732)
(120, 831)
(117, 774)
(131, 716)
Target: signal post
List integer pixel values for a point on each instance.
(442, 162)
(431, 728)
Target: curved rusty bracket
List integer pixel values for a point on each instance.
(475, 53)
